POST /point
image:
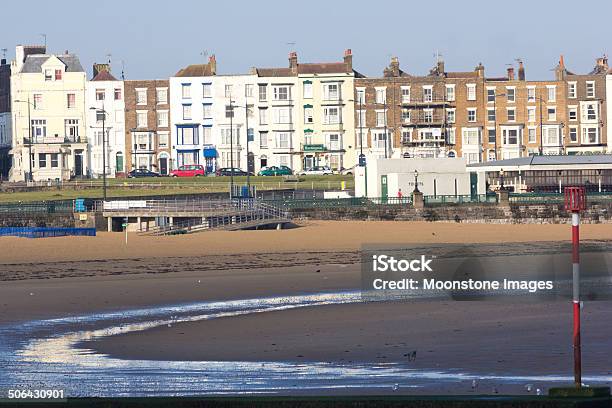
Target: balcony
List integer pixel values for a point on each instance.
(55, 140)
(427, 100)
(422, 119)
(423, 140)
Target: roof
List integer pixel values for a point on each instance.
(33, 63)
(273, 72)
(104, 76)
(195, 70)
(307, 69)
(549, 160)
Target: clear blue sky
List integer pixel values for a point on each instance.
(156, 38)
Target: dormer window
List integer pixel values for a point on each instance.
(48, 75)
(58, 74)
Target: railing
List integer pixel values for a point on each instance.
(39, 207)
(46, 232)
(460, 199)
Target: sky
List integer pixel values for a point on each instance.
(154, 39)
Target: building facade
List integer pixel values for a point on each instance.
(192, 95)
(6, 120)
(48, 108)
(105, 101)
(147, 125)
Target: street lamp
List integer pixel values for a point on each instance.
(501, 178)
(104, 113)
(247, 109)
(416, 181)
(30, 175)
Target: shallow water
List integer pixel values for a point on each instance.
(47, 354)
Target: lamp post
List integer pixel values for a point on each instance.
(247, 110)
(362, 158)
(30, 175)
(495, 118)
(231, 107)
(104, 113)
(416, 181)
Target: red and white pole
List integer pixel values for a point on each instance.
(575, 201)
(576, 296)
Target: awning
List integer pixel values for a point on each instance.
(210, 153)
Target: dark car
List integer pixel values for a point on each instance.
(142, 173)
(276, 171)
(227, 171)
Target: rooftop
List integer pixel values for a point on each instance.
(33, 63)
(549, 160)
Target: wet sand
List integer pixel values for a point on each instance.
(69, 276)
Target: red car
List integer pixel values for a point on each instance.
(188, 170)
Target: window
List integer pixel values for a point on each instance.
(511, 114)
(141, 119)
(471, 92)
(427, 93)
(228, 136)
(100, 116)
(282, 115)
(471, 114)
(228, 91)
(450, 93)
(381, 95)
(590, 135)
(229, 111)
(163, 139)
(571, 89)
(71, 129)
(117, 94)
(589, 112)
(331, 115)
(471, 136)
(162, 118)
(572, 112)
(38, 101)
(186, 91)
(54, 160)
(281, 93)
(573, 134)
(188, 135)
(551, 136)
(428, 115)
(248, 90)
(379, 140)
(48, 75)
(531, 94)
(70, 100)
(186, 111)
(361, 118)
(491, 135)
(207, 135)
(590, 89)
(308, 118)
(207, 90)
(531, 114)
(406, 115)
(471, 157)
(491, 155)
(333, 141)
(511, 94)
(282, 140)
(405, 94)
(263, 117)
(552, 113)
(161, 94)
(510, 136)
(263, 140)
(380, 118)
(207, 110)
(331, 92)
(552, 93)
(39, 128)
(263, 93)
(531, 135)
(450, 116)
(360, 96)
(451, 136)
(141, 96)
(491, 115)
(490, 94)
(58, 74)
(42, 160)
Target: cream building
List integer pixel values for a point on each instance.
(106, 95)
(48, 105)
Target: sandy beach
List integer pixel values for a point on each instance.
(70, 276)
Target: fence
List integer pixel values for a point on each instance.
(38, 207)
(46, 232)
(554, 198)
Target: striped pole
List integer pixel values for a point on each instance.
(576, 296)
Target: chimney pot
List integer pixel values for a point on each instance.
(348, 60)
(293, 61)
(511, 73)
(521, 71)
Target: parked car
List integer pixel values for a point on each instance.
(317, 171)
(142, 173)
(189, 170)
(275, 171)
(227, 171)
(348, 172)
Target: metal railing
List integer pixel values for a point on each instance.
(45, 232)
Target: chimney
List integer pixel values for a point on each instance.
(511, 74)
(521, 71)
(97, 68)
(293, 61)
(560, 69)
(348, 59)
(440, 66)
(212, 63)
(394, 67)
(602, 62)
(480, 70)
